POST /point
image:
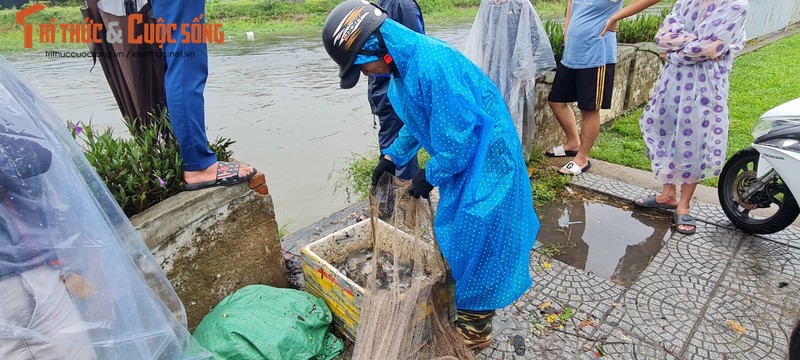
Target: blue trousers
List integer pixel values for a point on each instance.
(390, 128)
(185, 81)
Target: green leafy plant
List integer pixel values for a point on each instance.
(142, 169)
(546, 182)
(356, 178)
(555, 31)
(641, 28)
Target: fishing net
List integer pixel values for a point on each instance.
(408, 313)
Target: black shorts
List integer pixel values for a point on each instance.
(591, 88)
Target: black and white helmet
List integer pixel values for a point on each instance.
(346, 29)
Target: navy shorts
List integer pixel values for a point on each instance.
(591, 88)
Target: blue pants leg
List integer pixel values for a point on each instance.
(187, 71)
(390, 128)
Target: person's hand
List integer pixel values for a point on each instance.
(611, 26)
(420, 186)
(663, 55)
(385, 165)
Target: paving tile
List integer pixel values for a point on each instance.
(619, 345)
(789, 236)
(765, 329)
(704, 254)
(662, 308)
(768, 271)
(609, 186)
(581, 290)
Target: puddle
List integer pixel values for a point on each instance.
(603, 236)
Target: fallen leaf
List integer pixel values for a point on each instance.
(546, 264)
(567, 314)
(736, 326)
(600, 351)
(545, 305)
(585, 322)
(626, 208)
(552, 318)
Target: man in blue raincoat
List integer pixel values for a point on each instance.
(485, 222)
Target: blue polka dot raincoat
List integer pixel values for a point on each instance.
(485, 222)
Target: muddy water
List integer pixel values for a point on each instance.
(603, 236)
(277, 97)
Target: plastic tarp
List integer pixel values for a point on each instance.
(76, 279)
(508, 42)
(262, 322)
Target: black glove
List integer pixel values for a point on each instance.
(420, 186)
(385, 165)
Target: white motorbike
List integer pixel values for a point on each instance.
(757, 183)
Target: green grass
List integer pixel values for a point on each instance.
(759, 81)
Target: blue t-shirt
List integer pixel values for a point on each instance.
(584, 47)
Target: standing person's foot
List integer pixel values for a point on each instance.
(657, 202)
(575, 168)
(684, 223)
(221, 173)
(561, 151)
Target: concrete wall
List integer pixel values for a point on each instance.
(212, 242)
(637, 70)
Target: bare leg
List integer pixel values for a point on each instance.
(210, 173)
(687, 191)
(566, 118)
(590, 127)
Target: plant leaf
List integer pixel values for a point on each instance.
(567, 314)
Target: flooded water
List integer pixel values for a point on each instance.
(278, 98)
(602, 236)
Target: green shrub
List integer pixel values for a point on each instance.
(143, 169)
(641, 28)
(356, 178)
(555, 31)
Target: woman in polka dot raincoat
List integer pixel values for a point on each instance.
(685, 124)
(485, 222)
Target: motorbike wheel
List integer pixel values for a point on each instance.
(794, 343)
(738, 173)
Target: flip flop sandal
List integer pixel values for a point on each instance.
(651, 203)
(558, 151)
(685, 219)
(227, 175)
(574, 169)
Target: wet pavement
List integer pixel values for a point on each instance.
(602, 236)
(631, 288)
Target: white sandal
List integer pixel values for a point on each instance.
(558, 151)
(574, 169)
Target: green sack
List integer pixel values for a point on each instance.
(262, 322)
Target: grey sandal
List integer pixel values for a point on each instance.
(685, 219)
(651, 203)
